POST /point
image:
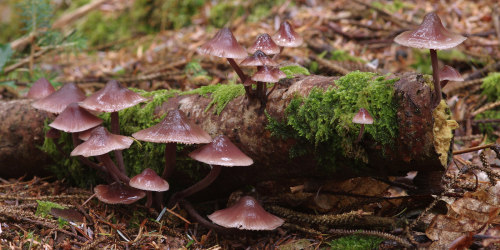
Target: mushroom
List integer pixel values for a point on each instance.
(220, 152)
(113, 98)
(57, 101)
(174, 128)
(362, 117)
(432, 35)
(448, 73)
(99, 144)
(264, 43)
(267, 74)
(40, 89)
(224, 45)
(259, 58)
(246, 214)
(117, 193)
(287, 37)
(149, 181)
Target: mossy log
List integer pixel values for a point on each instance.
(412, 147)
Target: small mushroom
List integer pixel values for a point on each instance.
(448, 73)
(117, 193)
(432, 35)
(264, 43)
(149, 181)
(220, 152)
(362, 117)
(287, 37)
(246, 214)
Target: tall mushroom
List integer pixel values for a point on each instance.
(220, 152)
(174, 128)
(113, 98)
(246, 214)
(432, 35)
(224, 45)
(99, 144)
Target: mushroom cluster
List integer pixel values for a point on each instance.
(225, 45)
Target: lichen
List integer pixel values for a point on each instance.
(322, 121)
(443, 131)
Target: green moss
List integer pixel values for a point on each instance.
(341, 55)
(356, 242)
(44, 207)
(491, 87)
(294, 70)
(221, 94)
(322, 121)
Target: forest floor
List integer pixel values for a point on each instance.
(340, 36)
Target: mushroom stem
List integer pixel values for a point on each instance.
(111, 167)
(198, 218)
(443, 83)
(84, 160)
(115, 129)
(170, 155)
(205, 182)
(242, 76)
(435, 76)
(149, 201)
(361, 131)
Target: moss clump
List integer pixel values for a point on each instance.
(323, 120)
(221, 95)
(356, 242)
(491, 87)
(44, 207)
(294, 70)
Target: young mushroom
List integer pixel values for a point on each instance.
(149, 181)
(287, 37)
(432, 35)
(40, 89)
(362, 117)
(266, 75)
(220, 152)
(264, 43)
(448, 73)
(246, 214)
(117, 193)
(113, 98)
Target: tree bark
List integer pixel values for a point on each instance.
(244, 124)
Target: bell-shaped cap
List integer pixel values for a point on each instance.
(148, 180)
(286, 36)
(264, 43)
(246, 214)
(57, 101)
(221, 151)
(268, 74)
(450, 74)
(224, 45)
(259, 58)
(431, 34)
(75, 119)
(113, 97)
(175, 127)
(40, 89)
(117, 193)
(101, 142)
(362, 117)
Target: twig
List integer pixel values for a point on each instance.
(467, 150)
(68, 18)
(329, 65)
(395, 238)
(485, 108)
(462, 85)
(24, 61)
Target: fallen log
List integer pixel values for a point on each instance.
(419, 139)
